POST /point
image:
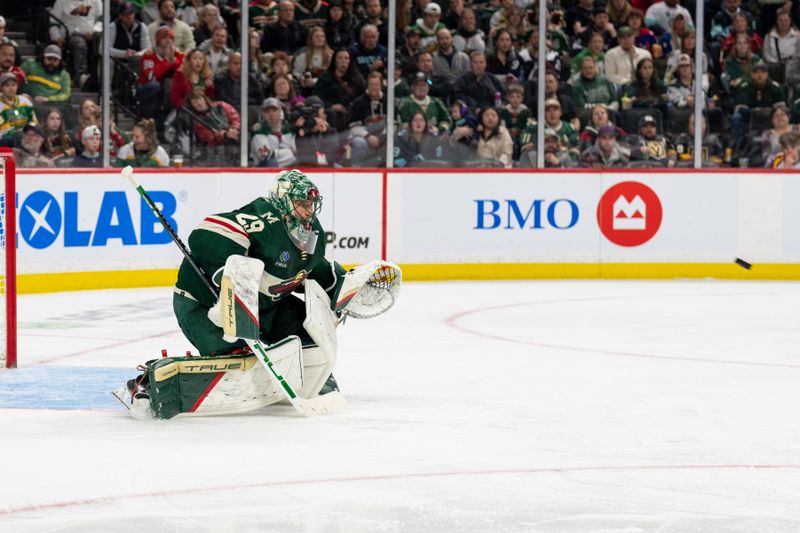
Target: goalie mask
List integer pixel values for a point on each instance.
(298, 201)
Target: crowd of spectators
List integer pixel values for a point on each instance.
(619, 84)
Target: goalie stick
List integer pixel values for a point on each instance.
(307, 407)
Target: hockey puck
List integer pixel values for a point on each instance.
(744, 264)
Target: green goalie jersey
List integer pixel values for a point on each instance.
(257, 231)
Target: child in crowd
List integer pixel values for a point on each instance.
(91, 156)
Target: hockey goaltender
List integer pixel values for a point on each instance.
(237, 301)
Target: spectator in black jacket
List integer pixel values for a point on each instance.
(338, 31)
(339, 86)
(287, 34)
(477, 87)
(229, 87)
(368, 124)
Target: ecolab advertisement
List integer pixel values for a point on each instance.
(98, 222)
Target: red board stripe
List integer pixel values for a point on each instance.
(206, 391)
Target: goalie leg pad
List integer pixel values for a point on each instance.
(221, 385)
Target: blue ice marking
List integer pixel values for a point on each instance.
(62, 387)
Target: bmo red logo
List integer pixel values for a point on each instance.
(629, 213)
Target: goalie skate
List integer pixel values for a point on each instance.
(137, 405)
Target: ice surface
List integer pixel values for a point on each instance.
(558, 406)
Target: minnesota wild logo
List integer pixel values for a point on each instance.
(286, 286)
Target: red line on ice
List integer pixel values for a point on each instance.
(452, 321)
(386, 477)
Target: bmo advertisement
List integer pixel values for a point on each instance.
(564, 217)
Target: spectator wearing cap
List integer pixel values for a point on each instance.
(267, 122)
(713, 151)
(338, 28)
(590, 88)
(407, 52)
(83, 19)
(448, 62)
(317, 142)
(16, 110)
(440, 86)
(7, 63)
(5, 39)
(91, 138)
(368, 53)
(433, 108)
(600, 118)
(46, 79)
(567, 136)
(552, 90)
(181, 32)
(652, 147)
(157, 66)
(477, 87)
(606, 152)
(228, 84)
(30, 153)
(285, 34)
(680, 93)
(128, 36)
(758, 91)
(555, 156)
(688, 46)
(660, 14)
(621, 60)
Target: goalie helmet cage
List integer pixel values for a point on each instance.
(8, 268)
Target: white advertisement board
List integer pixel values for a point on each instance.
(569, 217)
(95, 221)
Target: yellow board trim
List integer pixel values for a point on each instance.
(79, 281)
(76, 281)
